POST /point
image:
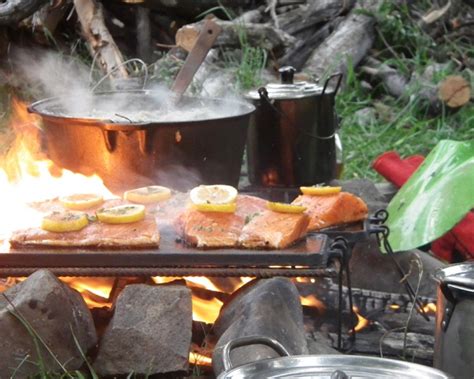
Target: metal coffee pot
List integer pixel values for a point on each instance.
(292, 139)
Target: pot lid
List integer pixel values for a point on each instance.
(461, 274)
(333, 367)
(288, 89)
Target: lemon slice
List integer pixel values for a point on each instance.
(320, 191)
(285, 208)
(148, 195)
(66, 221)
(213, 194)
(81, 201)
(223, 208)
(122, 214)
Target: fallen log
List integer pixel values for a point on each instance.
(144, 48)
(299, 52)
(13, 11)
(100, 42)
(47, 19)
(309, 16)
(454, 91)
(262, 35)
(192, 8)
(394, 82)
(348, 44)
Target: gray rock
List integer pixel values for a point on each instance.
(150, 332)
(319, 343)
(270, 308)
(387, 190)
(56, 313)
(383, 274)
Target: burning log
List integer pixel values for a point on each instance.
(13, 11)
(419, 347)
(262, 35)
(101, 44)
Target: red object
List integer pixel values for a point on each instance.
(460, 239)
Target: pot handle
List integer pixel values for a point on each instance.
(337, 75)
(251, 340)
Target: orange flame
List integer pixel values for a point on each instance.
(430, 308)
(95, 291)
(27, 176)
(312, 301)
(206, 310)
(199, 359)
(361, 321)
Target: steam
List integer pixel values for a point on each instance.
(68, 80)
(48, 74)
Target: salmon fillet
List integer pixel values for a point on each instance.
(332, 210)
(215, 229)
(273, 230)
(96, 234)
(139, 234)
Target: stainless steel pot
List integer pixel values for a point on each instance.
(320, 366)
(292, 137)
(185, 151)
(454, 338)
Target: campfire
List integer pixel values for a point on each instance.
(28, 176)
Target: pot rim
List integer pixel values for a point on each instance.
(327, 364)
(247, 107)
(456, 274)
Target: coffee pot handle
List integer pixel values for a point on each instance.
(337, 75)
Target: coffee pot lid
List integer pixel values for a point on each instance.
(288, 89)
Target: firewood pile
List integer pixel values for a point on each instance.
(318, 38)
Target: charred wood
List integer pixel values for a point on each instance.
(367, 301)
(420, 347)
(13, 11)
(101, 44)
(348, 44)
(256, 34)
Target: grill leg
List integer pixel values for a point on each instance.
(339, 311)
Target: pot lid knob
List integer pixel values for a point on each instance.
(286, 74)
(338, 374)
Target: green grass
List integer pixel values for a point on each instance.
(403, 125)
